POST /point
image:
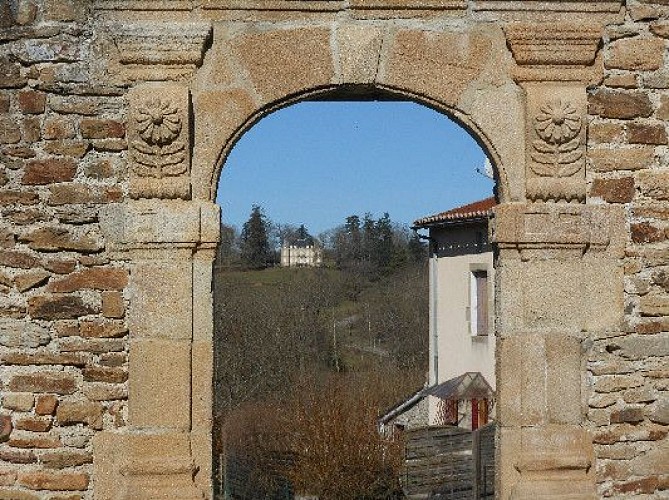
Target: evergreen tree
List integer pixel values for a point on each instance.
(228, 248)
(255, 248)
(384, 247)
(417, 249)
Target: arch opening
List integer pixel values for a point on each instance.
(366, 93)
(232, 288)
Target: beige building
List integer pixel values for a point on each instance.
(304, 252)
(462, 335)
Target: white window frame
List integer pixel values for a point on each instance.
(472, 309)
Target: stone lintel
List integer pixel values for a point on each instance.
(542, 6)
(158, 50)
(563, 50)
(565, 44)
(161, 42)
(560, 226)
(145, 224)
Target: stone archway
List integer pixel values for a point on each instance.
(527, 105)
(194, 76)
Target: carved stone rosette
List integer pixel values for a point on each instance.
(556, 143)
(159, 141)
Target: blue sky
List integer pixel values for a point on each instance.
(315, 163)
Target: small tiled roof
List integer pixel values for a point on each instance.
(476, 210)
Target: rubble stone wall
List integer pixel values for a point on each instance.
(628, 153)
(63, 329)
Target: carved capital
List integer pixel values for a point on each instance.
(550, 225)
(159, 141)
(147, 224)
(546, 44)
(159, 50)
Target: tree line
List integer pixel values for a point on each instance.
(362, 245)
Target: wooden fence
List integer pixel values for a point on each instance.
(449, 463)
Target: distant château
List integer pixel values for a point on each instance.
(301, 250)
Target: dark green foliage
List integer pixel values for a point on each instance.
(227, 255)
(256, 252)
(373, 248)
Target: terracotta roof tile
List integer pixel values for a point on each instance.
(476, 210)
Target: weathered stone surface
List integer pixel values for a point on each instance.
(655, 184)
(32, 102)
(71, 413)
(660, 28)
(54, 239)
(608, 160)
(630, 414)
(17, 456)
(73, 148)
(104, 374)
(19, 333)
(59, 266)
(58, 307)
(11, 75)
(115, 359)
(33, 424)
(113, 305)
(92, 345)
(73, 105)
(38, 172)
(12, 494)
(6, 427)
(654, 305)
(44, 358)
(102, 329)
(46, 404)
(620, 104)
(100, 169)
(22, 260)
(605, 132)
(306, 51)
(65, 458)
(645, 232)
(30, 440)
(636, 54)
(10, 133)
(92, 128)
(624, 81)
(57, 127)
(655, 134)
(659, 412)
(64, 10)
(96, 278)
(437, 64)
(97, 391)
(12, 197)
(619, 190)
(31, 279)
(62, 481)
(18, 401)
(44, 381)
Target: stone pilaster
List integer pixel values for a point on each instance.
(559, 277)
(165, 451)
(558, 268)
